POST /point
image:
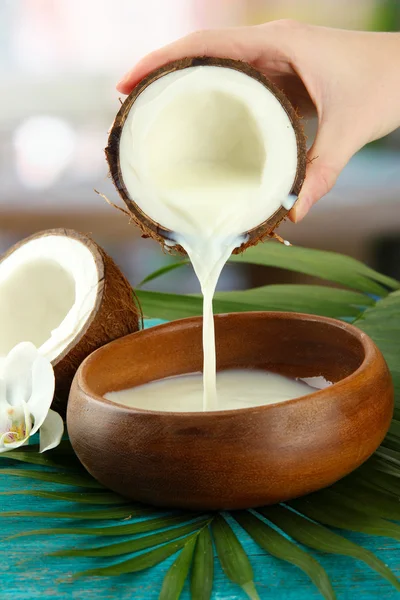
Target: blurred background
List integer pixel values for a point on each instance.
(59, 63)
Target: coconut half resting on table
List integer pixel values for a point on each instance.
(208, 129)
(60, 291)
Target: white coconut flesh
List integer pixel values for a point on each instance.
(209, 153)
(48, 289)
(208, 145)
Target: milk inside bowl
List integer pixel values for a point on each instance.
(210, 153)
(236, 388)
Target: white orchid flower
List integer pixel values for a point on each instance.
(26, 393)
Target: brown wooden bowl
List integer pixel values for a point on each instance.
(237, 458)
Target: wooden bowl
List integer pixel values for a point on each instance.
(237, 458)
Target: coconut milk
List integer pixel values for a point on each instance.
(208, 180)
(239, 388)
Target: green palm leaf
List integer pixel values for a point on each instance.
(164, 270)
(330, 266)
(140, 562)
(126, 529)
(368, 499)
(330, 511)
(315, 299)
(370, 477)
(202, 578)
(175, 578)
(79, 497)
(135, 545)
(388, 454)
(233, 558)
(277, 545)
(32, 456)
(395, 427)
(84, 481)
(122, 512)
(320, 538)
(385, 466)
(382, 324)
(173, 306)
(392, 439)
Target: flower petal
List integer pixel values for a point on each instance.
(17, 369)
(28, 419)
(3, 397)
(43, 383)
(5, 420)
(15, 426)
(51, 431)
(10, 445)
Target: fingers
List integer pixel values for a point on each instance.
(328, 156)
(276, 49)
(320, 179)
(264, 46)
(234, 43)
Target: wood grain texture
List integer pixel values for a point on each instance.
(26, 572)
(242, 458)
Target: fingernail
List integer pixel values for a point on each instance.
(301, 208)
(124, 80)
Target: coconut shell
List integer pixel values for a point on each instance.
(148, 226)
(116, 313)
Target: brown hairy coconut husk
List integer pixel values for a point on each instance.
(148, 226)
(61, 291)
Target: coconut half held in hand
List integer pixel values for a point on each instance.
(61, 291)
(209, 130)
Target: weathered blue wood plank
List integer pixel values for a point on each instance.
(26, 572)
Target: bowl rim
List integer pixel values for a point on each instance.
(371, 351)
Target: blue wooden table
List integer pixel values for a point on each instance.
(26, 573)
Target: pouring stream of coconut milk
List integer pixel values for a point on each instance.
(208, 153)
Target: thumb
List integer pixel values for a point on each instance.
(327, 157)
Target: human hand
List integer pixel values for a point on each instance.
(350, 79)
